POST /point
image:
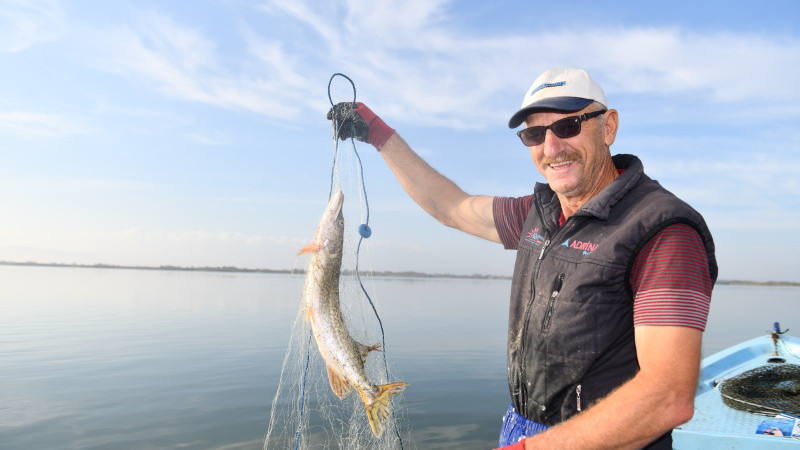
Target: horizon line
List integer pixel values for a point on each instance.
(380, 273)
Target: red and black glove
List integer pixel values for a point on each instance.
(360, 123)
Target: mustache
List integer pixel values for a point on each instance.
(563, 157)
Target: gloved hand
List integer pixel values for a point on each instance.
(360, 123)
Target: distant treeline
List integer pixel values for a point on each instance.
(758, 283)
(384, 273)
(408, 274)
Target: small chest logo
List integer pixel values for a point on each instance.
(534, 237)
(586, 247)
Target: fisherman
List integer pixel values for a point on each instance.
(612, 281)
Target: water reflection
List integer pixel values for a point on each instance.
(94, 358)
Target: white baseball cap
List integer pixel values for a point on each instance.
(561, 89)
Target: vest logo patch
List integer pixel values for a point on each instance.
(587, 247)
(534, 237)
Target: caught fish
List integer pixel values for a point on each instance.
(345, 357)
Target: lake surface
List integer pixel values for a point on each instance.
(138, 359)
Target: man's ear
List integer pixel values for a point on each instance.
(610, 126)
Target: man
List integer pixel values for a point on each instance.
(612, 281)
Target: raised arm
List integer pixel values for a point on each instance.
(659, 397)
(436, 194)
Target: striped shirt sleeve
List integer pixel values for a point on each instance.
(670, 280)
(509, 217)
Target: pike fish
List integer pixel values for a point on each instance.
(344, 356)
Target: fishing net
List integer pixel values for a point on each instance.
(766, 390)
(305, 413)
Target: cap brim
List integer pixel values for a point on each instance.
(566, 104)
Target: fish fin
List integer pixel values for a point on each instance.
(365, 349)
(378, 408)
(339, 385)
(310, 248)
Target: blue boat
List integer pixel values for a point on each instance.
(718, 425)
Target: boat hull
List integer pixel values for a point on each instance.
(718, 426)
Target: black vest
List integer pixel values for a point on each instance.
(570, 334)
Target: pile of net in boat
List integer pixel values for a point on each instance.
(769, 389)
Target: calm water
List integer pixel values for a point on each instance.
(93, 358)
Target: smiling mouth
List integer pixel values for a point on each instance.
(556, 165)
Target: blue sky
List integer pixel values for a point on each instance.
(194, 133)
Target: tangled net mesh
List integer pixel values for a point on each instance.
(305, 413)
(765, 390)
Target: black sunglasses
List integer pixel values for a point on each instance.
(563, 128)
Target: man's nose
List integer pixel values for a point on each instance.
(552, 145)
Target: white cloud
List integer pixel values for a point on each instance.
(418, 66)
(136, 246)
(26, 23)
(39, 124)
(204, 237)
(721, 66)
(184, 64)
(311, 15)
(209, 141)
(412, 62)
(75, 185)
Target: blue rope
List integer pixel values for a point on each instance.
(365, 234)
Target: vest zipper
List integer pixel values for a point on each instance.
(578, 393)
(557, 284)
(522, 364)
(527, 318)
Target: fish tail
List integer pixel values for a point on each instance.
(378, 407)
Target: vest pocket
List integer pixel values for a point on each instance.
(558, 283)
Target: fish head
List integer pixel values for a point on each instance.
(331, 228)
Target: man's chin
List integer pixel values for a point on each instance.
(563, 187)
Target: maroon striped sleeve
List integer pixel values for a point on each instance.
(509, 217)
(670, 280)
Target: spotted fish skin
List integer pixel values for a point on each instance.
(344, 356)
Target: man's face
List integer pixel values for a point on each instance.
(574, 166)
